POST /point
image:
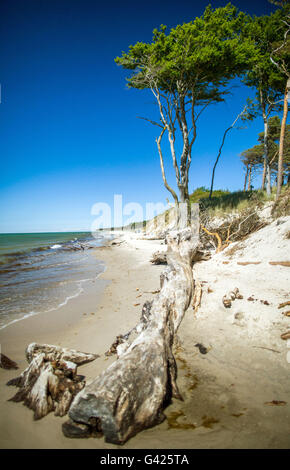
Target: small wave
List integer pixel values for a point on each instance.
(31, 314)
(55, 247)
(61, 304)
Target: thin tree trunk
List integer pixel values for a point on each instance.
(249, 180)
(246, 178)
(220, 149)
(281, 143)
(268, 171)
(264, 176)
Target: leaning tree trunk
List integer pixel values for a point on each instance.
(132, 393)
(281, 143)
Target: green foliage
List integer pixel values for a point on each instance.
(274, 128)
(203, 193)
(254, 155)
(235, 202)
(197, 57)
(263, 75)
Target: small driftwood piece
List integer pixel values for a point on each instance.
(284, 304)
(6, 363)
(196, 301)
(280, 263)
(50, 382)
(231, 296)
(117, 243)
(286, 335)
(246, 263)
(159, 257)
(132, 393)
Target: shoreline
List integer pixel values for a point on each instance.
(89, 323)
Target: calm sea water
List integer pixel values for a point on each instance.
(41, 271)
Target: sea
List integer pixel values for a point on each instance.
(40, 272)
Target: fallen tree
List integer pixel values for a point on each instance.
(132, 393)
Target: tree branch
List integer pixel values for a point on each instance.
(158, 142)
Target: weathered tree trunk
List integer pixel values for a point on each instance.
(50, 382)
(281, 143)
(183, 193)
(132, 393)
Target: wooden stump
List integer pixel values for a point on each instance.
(50, 382)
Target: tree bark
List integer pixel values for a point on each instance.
(132, 393)
(281, 143)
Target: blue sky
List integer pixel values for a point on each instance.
(69, 133)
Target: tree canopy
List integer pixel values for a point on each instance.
(187, 69)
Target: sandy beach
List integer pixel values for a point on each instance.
(227, 392)
(109, 306)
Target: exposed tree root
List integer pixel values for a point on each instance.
(50, 382)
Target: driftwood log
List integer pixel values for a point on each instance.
(50, 382)
(132, 393)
